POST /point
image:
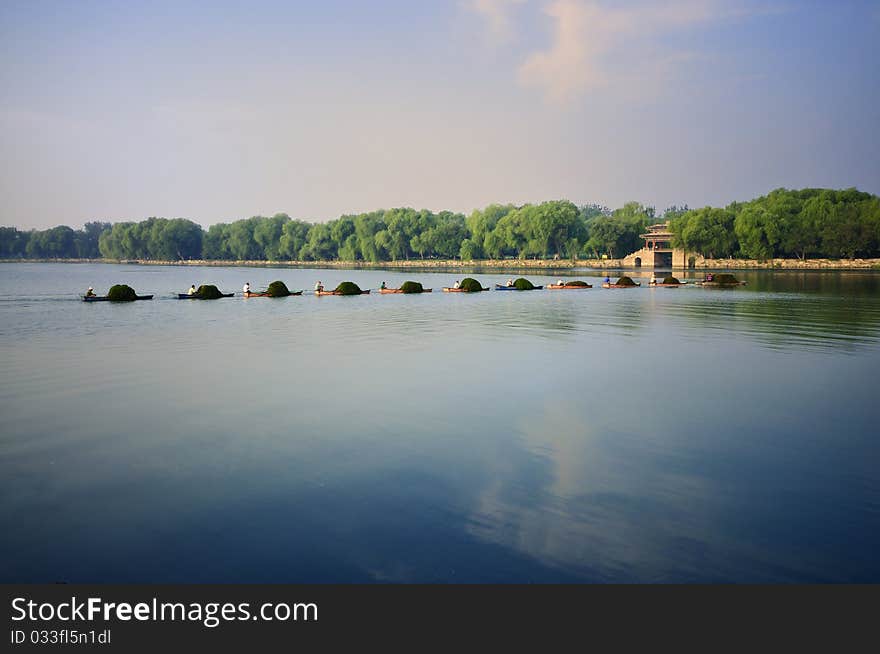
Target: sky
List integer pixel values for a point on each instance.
(216, 111)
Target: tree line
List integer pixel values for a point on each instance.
(784, 223)
(59, 242)
(550, 229)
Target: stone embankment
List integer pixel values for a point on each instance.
(700, 263)
(789, 264)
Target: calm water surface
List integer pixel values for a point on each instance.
(650, 435)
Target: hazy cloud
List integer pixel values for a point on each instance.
(497, 14)
(586, 34)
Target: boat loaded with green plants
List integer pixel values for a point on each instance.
(204, 292)
(570, 286)
(275, 289)
(623, 282)
(345, 288)
(467, 285)
(406, 287)
(723, 280)
(669, 281)
(521, 284)
(117, 293)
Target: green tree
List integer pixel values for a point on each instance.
(294, 235)
(320, 245)
(215, 244)
(757, 231)
(267, 235)
(12, 243)
(469, 250)
(240, 240)
(709, 231)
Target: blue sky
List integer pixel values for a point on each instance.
(216, 111)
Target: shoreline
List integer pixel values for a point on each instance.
(500, 264)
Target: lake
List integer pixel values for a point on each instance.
(640, 435)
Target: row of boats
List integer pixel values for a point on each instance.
(623, 282)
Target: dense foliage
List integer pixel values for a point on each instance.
(209, 292)
(470, 285)
(725, 279)
(348, 288)
(523, 284)
(784, 223)
(277, 289)
(669, 279)
(121, 293)
(58, 242)
(625, 281)
(556, 229)
(576, 282)
(411, 287)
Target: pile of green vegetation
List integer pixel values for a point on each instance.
(121, 293)
(209, 292)
(725, 278)
(523, 284)
(670, 280)
(348, 288)
(411, 287)
(277, 289)
(470, 285)
(625, 281)
(576, 282)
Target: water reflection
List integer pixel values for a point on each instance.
(786, 320)
(644, 435)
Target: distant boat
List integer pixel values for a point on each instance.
(367, 292)
(196, 296)
(385, 291)
(720, 284)
(720, 279)
(105, 298)
(264, 294)
(661, 284)
(502, 287)
(568, 287)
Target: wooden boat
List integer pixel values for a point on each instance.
(386, 291)
(502, 287)
(721, 284)
(367, 292)
(446, 289)
(607, 285)
(267, 295)
(661, 284)
(196, 296)
(104, 298)
(566, 287)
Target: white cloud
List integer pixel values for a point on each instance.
(497, 14)
(587, 35)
